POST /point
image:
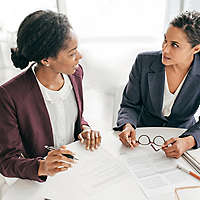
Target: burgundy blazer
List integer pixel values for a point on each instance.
(25, 126)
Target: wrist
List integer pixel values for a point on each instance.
(85, 127)
(190, 142)
(41, 169)
(128, 126)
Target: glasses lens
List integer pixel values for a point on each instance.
(159, 140)
(143, 139)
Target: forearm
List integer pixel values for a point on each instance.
(195, 132)
(24, 168)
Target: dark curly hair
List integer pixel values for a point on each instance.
(189, 22)
(41, 34)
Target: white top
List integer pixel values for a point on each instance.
(62, 109)
(169, 98)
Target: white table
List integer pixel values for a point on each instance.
(25, 189)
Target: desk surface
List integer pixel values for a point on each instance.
(26, 189)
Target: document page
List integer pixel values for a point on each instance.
(157, 174)
(96, 176)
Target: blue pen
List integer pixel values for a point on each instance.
(50, 148)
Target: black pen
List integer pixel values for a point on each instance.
(50, 148)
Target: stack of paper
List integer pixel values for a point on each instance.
(193, 159)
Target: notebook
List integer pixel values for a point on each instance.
(185, 193)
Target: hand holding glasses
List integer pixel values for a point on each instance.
(157, 140)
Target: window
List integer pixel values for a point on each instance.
(108, 18)
(191, 5)
(13, 12)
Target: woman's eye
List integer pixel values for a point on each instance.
(175, 45)
(72, 55)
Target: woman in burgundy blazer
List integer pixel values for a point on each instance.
(47, 39)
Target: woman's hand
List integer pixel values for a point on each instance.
(89, 137)
(128, 136)
(175, 147)
(55, 162)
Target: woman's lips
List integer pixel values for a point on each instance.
(166, 58)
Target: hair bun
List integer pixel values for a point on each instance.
(18, 59)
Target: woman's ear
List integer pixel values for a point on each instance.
(196, 49)
(45, 62)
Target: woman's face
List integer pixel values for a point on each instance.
(176, 50)
(67, 59)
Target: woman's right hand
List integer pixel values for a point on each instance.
(128, 136)
(55, 162)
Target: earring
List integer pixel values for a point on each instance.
(47, 65)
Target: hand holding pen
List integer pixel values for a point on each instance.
(50, 148)
(56, 161)
(175, 147)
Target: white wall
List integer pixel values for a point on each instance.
(107, 65)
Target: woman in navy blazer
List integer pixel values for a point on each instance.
(47, 39)
(143, 96)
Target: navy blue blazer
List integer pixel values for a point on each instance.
(143, 97)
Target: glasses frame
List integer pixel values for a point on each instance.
(152, 143)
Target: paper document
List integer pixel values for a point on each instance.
(98, 175)
(157, 174)
(192, 157)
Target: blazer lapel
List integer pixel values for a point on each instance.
(36, 101)
(75, 82)
(156, 81)
(189, 87)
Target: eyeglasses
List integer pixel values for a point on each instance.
(145, 140)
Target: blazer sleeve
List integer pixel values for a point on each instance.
(83, 121)
(12, 152)
(195, 132)
(131, 104)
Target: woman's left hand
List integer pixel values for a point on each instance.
(175, 147)
(89, 137)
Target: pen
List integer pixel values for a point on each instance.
(50, 148)
(189, 172)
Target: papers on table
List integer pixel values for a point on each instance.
(156, 173)
(102, 176)
(96, 176)
(193, 159)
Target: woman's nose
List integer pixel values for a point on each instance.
(79, 55)
(165, 48)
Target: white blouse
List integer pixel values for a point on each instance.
(63, 111)
(169, 98)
